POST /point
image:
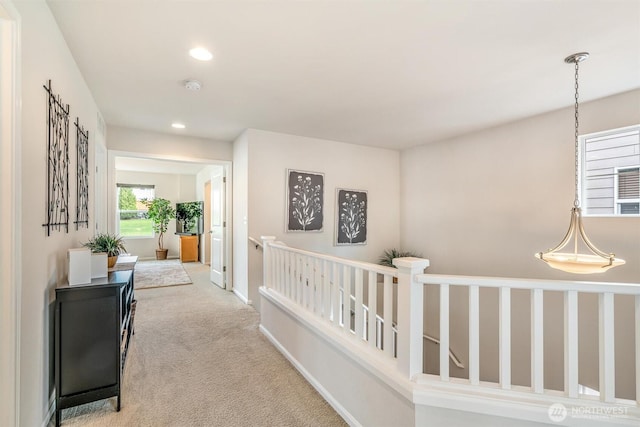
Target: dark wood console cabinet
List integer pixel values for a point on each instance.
(93, 326)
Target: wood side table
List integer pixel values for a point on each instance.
(189, 248)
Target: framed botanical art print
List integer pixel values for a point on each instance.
(351, 217)
(305, 201)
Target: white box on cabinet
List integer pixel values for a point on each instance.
(79, 266)
(99, 265)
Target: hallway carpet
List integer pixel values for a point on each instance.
(198, 359)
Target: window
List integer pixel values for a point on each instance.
(132, 219)
(610, 165)
(628, 191)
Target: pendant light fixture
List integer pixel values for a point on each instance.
(573, 262)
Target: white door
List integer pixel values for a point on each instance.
(217, 232)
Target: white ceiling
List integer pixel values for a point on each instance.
(383, 73)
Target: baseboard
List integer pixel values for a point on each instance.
(242, 297)
(341, 410)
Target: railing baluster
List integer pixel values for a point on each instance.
(571, 343)
(293, 259)
(300, 279)
(359, 318)
(387, 336)
(285, 268)
(505, 337)
(288, 258)
(305, 282)
(277, 273)
(326, 291)
(310, 296)
(266, 266)
(311, 283)
(372, 321)
(335, 294)
(537, 341)
(346, 298)
(274, 269)
(296, 277)
(285, 272)
(607, 348)
(474, 335)
(317, 286)
(444, 332)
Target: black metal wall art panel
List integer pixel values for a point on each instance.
(82, 176)
(57, 163)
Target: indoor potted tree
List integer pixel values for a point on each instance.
(110, 244)
(160, 211)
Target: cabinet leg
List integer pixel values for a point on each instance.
(57, 418)
(118, 405)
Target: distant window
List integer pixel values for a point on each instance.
(610, 179)
(628, 191)
(132, 215)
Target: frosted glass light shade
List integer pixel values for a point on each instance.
(579, 263)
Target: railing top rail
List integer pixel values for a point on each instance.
(547, 285)
(380, 269)
(255, 242)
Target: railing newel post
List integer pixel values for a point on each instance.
(410, 314)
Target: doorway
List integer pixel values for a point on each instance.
(201, 172)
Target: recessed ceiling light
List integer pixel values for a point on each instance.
(178, 126)
(201, 54)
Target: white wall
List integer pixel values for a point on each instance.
(484, 203)
(171, 145)
(10, 222)
(45, 56)
(173, 187)
(344, 165)
(240, 216)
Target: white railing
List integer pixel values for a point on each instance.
(379, 327)
(606, 333)
(257, 243)
(331, 288)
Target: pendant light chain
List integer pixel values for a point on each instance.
(576, 201)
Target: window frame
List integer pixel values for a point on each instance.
(117, 221)
(582, 139)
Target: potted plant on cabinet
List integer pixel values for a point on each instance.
(160, 211)
(187, 214)
(110, 244)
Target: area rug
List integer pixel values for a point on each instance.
(157, 274)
